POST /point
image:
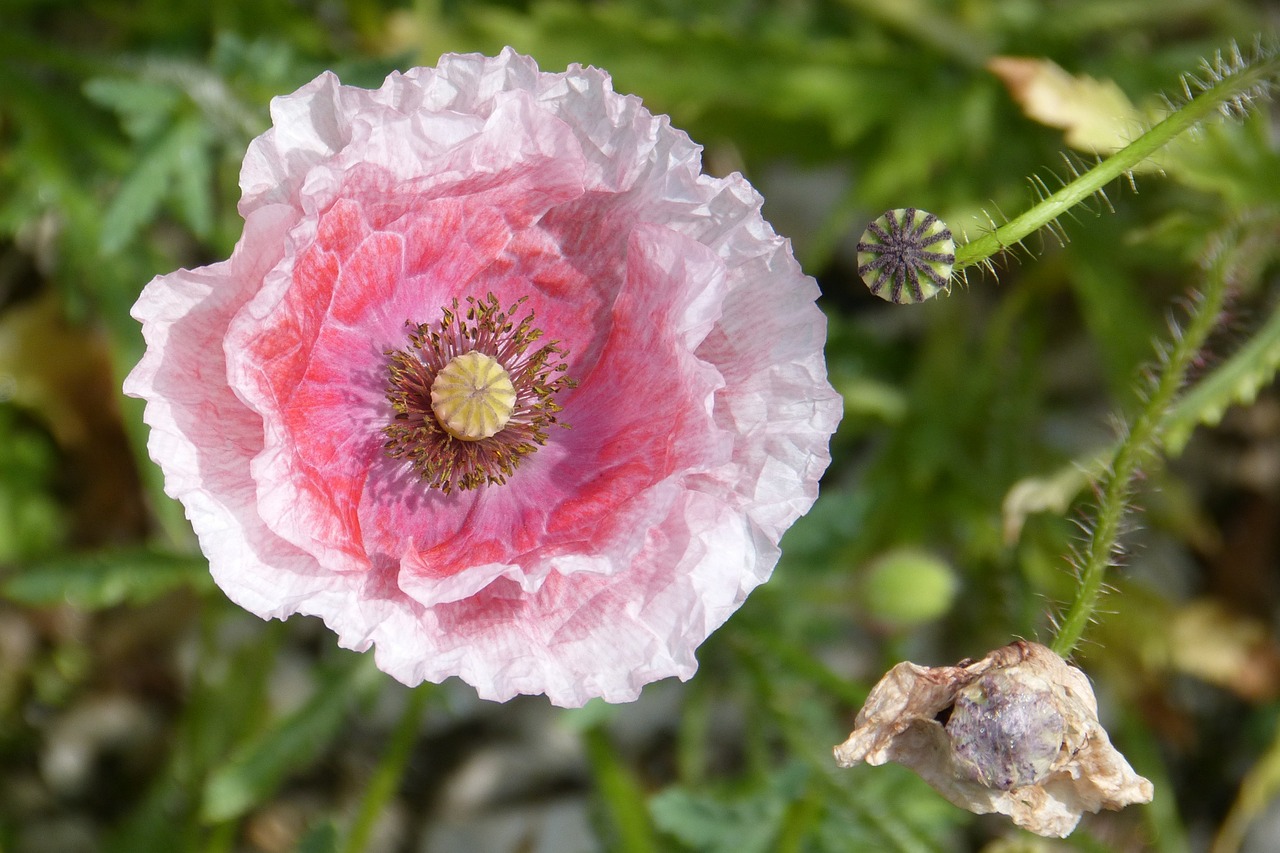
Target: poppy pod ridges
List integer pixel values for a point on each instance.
(906, 255)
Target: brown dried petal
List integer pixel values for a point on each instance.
(1015, 733)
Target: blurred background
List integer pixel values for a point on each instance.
(140, 711)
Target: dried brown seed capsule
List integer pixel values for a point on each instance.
(1016, 733)
(1005, 734)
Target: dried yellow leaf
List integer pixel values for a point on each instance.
(1095, 115)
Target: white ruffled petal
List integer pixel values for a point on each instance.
(701, 418)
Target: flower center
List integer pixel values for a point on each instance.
(472, 397)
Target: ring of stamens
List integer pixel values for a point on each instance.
(471, 397)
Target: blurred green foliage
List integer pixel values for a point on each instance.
(122, 126)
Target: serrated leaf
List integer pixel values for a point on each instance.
(147, 185)
(195, 188)
(105, 578)
(1244, 251)
(887, 809)
(144, 106)
(1236, 161)
(746, 823)
(256, 769)
(1237, 380)
(769, 94)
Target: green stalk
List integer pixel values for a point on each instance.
(386, 778)
(625, 801)
(1140, 443)
(1238, 84)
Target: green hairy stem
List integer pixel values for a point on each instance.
(1142, 440)
(1229, 89)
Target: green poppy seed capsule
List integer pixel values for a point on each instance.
(473, 397)
(906, 255)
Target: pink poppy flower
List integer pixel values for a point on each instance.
(495, 381)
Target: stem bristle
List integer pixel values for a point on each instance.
(1230, 84)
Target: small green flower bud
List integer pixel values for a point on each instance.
(908, 587)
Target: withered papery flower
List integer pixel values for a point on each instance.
(496, 381)
(1015, 733)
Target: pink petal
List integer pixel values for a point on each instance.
(699, 422)
(189, 403)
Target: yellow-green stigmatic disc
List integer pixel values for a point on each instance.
(473, 397)
(906, 255)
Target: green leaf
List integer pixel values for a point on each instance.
(143, 189)
(1235, 161)
(105, 578)
(195, 188)
(144, 106)
(887, 808)
(622, 794)
(322, 838)
(1237, 380)
(771, 93)
(258, 767)
(1244, 251)
(747, 823)
(30, 516)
